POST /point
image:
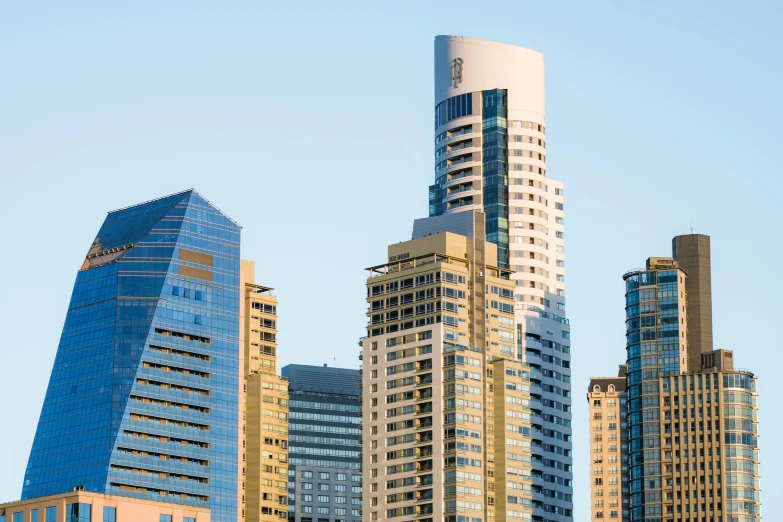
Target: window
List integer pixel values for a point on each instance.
(323, 499)
(34, 516)
(323, 487)
(307, 474)
(187, 519)
(323, 475)
(51, 514)
(307, 485)
(78, 512)
(165, 518)
(110, 514)
(307, 509)
(307, 498)
(323, 510)
(18, 517)
(341, 476)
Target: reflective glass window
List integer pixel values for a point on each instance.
(109, 514)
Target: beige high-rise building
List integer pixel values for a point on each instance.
(446, 418)
(607, 400)
(710, 457)
(263, 407)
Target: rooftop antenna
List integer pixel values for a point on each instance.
(691, 226)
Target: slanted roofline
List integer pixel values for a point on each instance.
(192, 190)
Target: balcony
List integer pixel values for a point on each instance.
(424, 467)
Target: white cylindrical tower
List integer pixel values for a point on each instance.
(490, 155)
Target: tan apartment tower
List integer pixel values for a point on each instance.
(607, 401)
(446, 419)
(708, 419)
(263, 406)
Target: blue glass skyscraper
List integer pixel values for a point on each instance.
(143, 397)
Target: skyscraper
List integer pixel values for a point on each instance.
(323, 473)
(143, 397)
(692, 417)
(490, 155)
(446, 401)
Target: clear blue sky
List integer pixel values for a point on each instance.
(311, 125)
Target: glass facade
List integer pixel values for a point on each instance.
(142, 400)
(78, 513)
(453, 108)
(740, 439)
(654, 329)
(323, 443)
(494, 128)
(109, 514)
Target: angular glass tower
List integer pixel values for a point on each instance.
(143, 397)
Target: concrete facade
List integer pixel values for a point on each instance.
(446, 401)
(692, 253)
(265, 400)
(607, 400)
(490, 156)
(709, 451)
(91, 507)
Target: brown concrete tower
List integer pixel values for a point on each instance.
(692, 253)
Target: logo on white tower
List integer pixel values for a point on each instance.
(456, 72)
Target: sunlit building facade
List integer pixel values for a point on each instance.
(490, 155)
(263, 406)
(692, 417)
(608, 434)
(446, 403)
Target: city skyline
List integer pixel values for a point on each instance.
(588, 264)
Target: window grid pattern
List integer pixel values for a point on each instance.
(141, 429)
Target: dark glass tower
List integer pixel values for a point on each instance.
(656, 336)
(494, 128)
(143, 397)
(324, 481)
